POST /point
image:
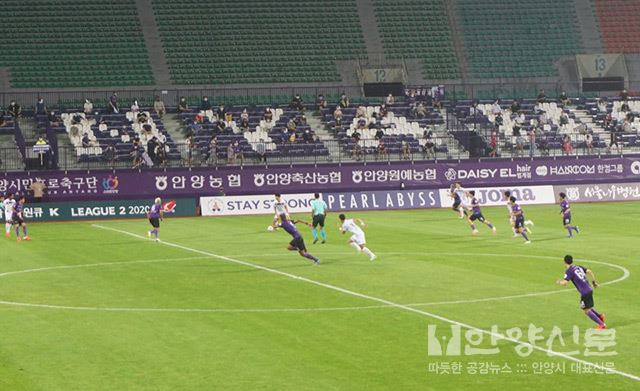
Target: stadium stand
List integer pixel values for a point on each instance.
(519, 38)
(620, 25)
(418, 29)
(258, 41)
(73, 43)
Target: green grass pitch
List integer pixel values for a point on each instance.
(112, 311)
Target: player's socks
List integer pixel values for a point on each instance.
(524, 235)
(323, 234)
(18, 232)
(24, 231)
(577, 229)
(597, 313)
(491, 226)
(473, 227)
(7, 227)
(591, 314)
(371, 255)
(315, 235)
(155, 233)
(311, 257)
(355, 245)
(569, 229)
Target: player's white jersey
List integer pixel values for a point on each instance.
(280, 207)
(462, 193)
(350, 226)
(9, 206)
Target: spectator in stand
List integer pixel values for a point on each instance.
(493, 144)
(542, 97)
(205, 104)
(237, 151)
(420, 110)
(2, 121)
(602, 105)
(321, 103)
(344, 101)
(212, 150)
(37, 187)
(356, 152)
(41, 109)
(14, 110)
(429, 145)
(564, 99)
(183, 107)
(495, 107)
(624, 107)
(87, 108)
(404, 150)
(411, 98)
(519, 145)
(54, 120)
(567, 146)
(158, 106)
(190, 146)
(624, 95)
(337, 116)
(244, 124)
(110, 154)
(382, 150)
(136, 154)
(390, 100)
(564, 119)
(291, 125)
(626, 126)
(588, 144)
(297, 103)
(219, 127)
(515, 106)
(362, 124)
(361, 112)
(135, 107)
(383, 111)
(284, 135)
(436, 103)
(355, 135)
(498, 121)
(112, 104)
(86, 142)
(152, 146)
(261, 151)
(532, 142)
(543, 118)
(244, 115)
(543, 145)
(221, 112)
(307, 136)
(267, 116)
(379, 134)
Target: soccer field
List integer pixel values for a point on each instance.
(220, 304)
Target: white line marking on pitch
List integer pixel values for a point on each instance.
(383, 301)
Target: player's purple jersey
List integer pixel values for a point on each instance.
(475, 206)
(578, 276)
(17, 209)
(517, 210)
(564, 208)
(291, 229)
(154, 212)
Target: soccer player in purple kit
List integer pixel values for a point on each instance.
(297, 241)
(518, 223)
(476, 214)
(18, 219)
(155, 216)
(565, 211)
(578, 276)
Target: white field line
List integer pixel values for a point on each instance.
(383, 301)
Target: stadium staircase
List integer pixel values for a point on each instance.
(518, 38)
(371, 34)
(620, 25)
(73, 43)
(588, 25)
(153, 43)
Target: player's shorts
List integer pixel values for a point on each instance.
(586, 301)
(512, 220)
(456, 204)
(358, 239)
(8, 218)
(566, 220)
(298, 243)
(477, 216)
(519, 222)
(318, 220)
(155, 222)
(17, 220)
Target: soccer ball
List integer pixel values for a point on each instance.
(270, 228)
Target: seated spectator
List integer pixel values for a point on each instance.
(542, 98)
(112, 104)
(498, 121)
(219, 127)
(321, 103)
(493, 144)
(362, 124)
(361, 112)
(515, 106)
(379, 134)
(307, 136)
(626, 126)
(624, 107)
(390, 100)
(87, 107)
(41, 109)
(221, 112)
(436, 104)
(14, 109)
(564, 99)
(429, 145)
(521, 118)
(344, 101)
(567, 147)
(261, 151)
(205, 104)
(382, 150)
(564, 119)
(624, 95)
(244, 115)
(297, 103)
(183, 107)
(543, 118)
(158, 106)
(244, 124)
(337, 116)
(284, 135)
(292, 136)
(2, 121)
(135, 107)
(301, 120)
(291, 125)
(103, 126)
(383, 111)
(54, 120)
(411, 98)
(267, 116)
(588, 144)
(420, 110)
(404, 150)
(356, 135)
(495, 108)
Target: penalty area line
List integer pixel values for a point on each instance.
(389, 303)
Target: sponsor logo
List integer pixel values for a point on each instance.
(574, 169)
(169, 207)
(542, 170)
(635, 167)
(110, 185)
(573, 193)
(215, 205)
(161, 183)
(451, 174)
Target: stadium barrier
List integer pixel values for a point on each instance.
(328, 178)
(97, 210)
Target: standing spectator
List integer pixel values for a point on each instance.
(183, 107)
(532, 142)
(321, 103)
(356, 152)
(564, 99)
(297, 103)
(212, 150)
(382, 150)
(221, 112)
(161, 153)
(542, 98)
(110, 154)
(87, 107)
(237, 151)
(136, 154)
(231, 156)
(205, 104)
(37, 188)
(152, 146)
(420, 110)
(493, 144)
(337, 116)
(519, 145)
(112, 104)
(135, 107)
(14, 110)
(495, 108)
(190, 145)
(515, 106)
(158, 106)
(390, 100)
(41, 109)
(614, 140)
(567, 147)
(624, 95)
(344, 101)
(588, 144)
(261, 151)
(429, 145)
(404, 150)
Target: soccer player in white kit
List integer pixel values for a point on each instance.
(279, 207)
(512, 219)
(357, 239)
(8, 205)
(462, 196)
